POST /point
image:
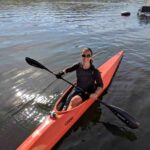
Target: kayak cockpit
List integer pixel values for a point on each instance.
(61, 101)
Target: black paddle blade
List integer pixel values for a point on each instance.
(35, 63)
(123, 116)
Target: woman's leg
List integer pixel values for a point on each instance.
(71, 95)
(75, 101)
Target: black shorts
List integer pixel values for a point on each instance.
(83, 95)
(75, 92)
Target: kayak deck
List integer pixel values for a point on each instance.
(52, 129)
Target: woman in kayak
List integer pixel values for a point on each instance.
(89, 81)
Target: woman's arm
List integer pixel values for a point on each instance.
(72, 68)
(99, 83)
(66, 70)
(96, 93)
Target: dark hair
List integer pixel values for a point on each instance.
(89, 49)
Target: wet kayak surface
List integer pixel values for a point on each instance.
(53, 32)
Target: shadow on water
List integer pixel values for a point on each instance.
(120, 131)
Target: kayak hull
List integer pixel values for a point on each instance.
(53, 129)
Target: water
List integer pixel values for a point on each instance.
(53, 32)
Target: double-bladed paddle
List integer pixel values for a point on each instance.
(120, 113)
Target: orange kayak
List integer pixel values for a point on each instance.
(53, 129)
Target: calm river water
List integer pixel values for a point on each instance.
(53, 32)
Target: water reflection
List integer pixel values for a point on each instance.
(144, 20)
(120, 131)
(23, 95)
(47, 103)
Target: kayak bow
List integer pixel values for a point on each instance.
(53, 129)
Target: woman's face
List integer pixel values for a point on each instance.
(86, 56)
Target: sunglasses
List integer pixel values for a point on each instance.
(88, 55)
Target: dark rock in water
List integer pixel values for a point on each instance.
(125, 13)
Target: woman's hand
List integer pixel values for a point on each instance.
(59, 75)
(94, 96)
